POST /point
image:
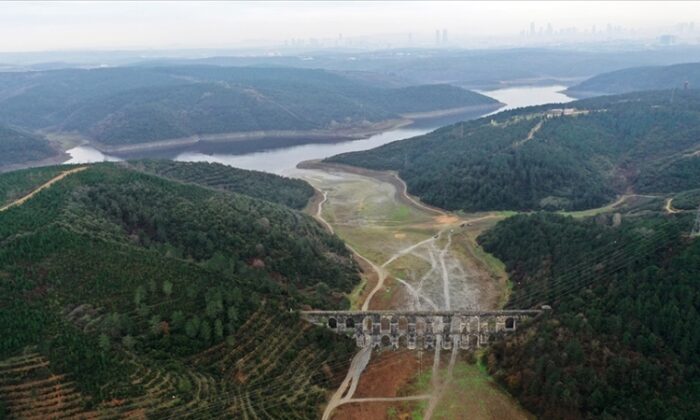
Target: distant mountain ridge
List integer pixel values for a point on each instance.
(473, 68)
(638, 79)
(19, 147)
(132, 105)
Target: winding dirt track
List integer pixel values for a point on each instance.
(352, 379)
(417, 203)
(669, 207)
(344, 393)
(530, 135)
(381, 273)
(42, 187)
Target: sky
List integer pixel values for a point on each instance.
(86, 25)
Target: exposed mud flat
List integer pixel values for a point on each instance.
(423, 254)
(414, 257)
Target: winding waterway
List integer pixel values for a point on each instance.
(269, 156)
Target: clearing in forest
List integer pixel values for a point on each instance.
(414, 257)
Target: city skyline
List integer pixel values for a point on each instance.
(47, 26)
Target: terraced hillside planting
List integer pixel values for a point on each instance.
(127, 294)
(550, 158)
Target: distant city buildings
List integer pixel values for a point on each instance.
(531, 34)
(441, 37)
(683, 32)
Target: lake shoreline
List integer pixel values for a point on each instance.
(321, 135)
(280, 155)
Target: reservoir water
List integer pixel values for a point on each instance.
(270, 156)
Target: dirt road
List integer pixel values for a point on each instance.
(422, 249)
(530, 135)
(44, 186)
(347, 388)
(380, 272)
(669, 207)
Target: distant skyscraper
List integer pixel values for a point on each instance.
(437, 37)
(532, 28)
(549, 29)
(444, 36)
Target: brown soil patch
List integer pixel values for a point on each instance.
(399, 235)
(393, 295)
(446, 219)
(373, 411)
(388, 372)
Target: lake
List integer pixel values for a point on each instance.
(270, 156)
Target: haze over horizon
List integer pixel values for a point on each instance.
(65, 26)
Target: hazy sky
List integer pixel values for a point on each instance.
(36, 26)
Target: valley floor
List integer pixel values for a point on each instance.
(414, 257)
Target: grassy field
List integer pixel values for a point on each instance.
(470, 394)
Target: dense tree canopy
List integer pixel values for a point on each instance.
(111, 268)
(292, 193)
(537, 158)
(623, 337)
(677, 76)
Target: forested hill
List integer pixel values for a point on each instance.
(639, 79)
(116, 106)
(546, 157)
(128, 294)
(623, 337)
(290, 192)
(18, 147)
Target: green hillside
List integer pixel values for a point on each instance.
(542, 158)
(639, 79)
(128, 294)
(290, 192)
(17, 147)
(623, 337)
(116, 106)
(17, 184)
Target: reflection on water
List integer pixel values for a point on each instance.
(518, 97)
(270, 156)
(87, 154)
(283, 160)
